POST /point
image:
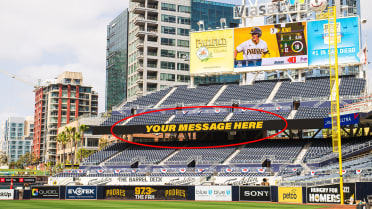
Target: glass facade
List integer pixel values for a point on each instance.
(117, 60)
(211, 13)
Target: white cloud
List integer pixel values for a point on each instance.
(42, 38)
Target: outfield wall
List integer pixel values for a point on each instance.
(325, 194)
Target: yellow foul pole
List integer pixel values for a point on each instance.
(333, 28)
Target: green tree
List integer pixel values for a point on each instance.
(77, 139)
(82, 129)
(102, 143)
(62, 139)
(49, 166)
(84, 153)
(3, 158)
(70, 134)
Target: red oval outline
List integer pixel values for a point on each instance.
(191, 107)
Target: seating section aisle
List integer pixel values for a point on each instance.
(256, 92)
(104, 154)
(200, 95)
(278, 151)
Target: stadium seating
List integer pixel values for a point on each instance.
(104, 154)
(190, 96)
(148, 100)
(246, 93)
(278, 151)
(201, 156)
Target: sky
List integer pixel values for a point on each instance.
(40, 39)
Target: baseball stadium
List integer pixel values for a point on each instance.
(301, 140)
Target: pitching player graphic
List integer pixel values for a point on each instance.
(254, 48)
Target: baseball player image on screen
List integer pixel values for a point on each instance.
(254, 48)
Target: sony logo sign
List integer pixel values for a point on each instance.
(256, 193)
(274, 8)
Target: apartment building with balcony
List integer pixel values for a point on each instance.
(15, 137)
(158, 41)
(58, 102)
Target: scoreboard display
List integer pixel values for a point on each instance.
(291, 39)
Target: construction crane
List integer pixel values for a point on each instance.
(17, 78)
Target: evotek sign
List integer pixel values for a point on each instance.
(274, 8)
(81, 192)
(255, 193)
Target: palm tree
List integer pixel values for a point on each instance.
(77, 138)
(62, 138)
(48, 166)
(70, 134)
(82, 129)
(102, 143)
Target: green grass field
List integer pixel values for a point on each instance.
(72, 204)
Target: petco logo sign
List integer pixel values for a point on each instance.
(82, 192)
(290, 194)
(222, 193)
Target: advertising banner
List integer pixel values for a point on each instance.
(6, 194)
(330, 194)
(213, 193)
(290, 194)
(270, 47)
(344, 120)
(133, 180)
(240, 181)
(145, 192)
(255, 193)
(347, 41)
(45, 192)
(7, 180)
(81, 192)
(211, 51)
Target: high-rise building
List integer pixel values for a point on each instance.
(158, 41)
(117, 60)
(58, 102)
(211, 13)
(15, 144)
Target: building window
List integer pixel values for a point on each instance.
(182, 66)
(163, 87)
(183, 78)
(183, 43)
(168, 18)
(183, 31)
(183, 55)
(168, 65)
(168, 53)
(168, 30)
(168, 7)
(184, 20)
(167, 77)
(168, 42)
(185, 9)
